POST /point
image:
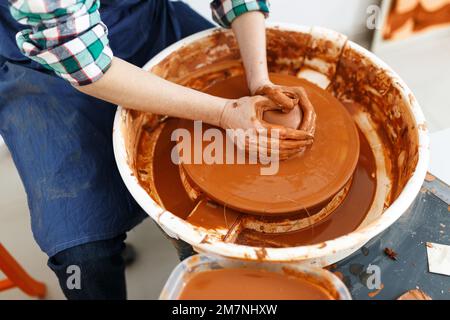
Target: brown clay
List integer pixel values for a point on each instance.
(251, 284)
(345, 219)
(291, 119)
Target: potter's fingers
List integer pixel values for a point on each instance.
(273, 130)
(312, 129)
(309, 114)
(277, 95)
(284, 144)
(255, 150)
(309, 125)
(288, 133)
(294, 144)
(263, 104)
(255, 145)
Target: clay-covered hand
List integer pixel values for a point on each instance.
(287, 98)
(247, 113)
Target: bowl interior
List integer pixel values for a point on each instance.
(387, 114)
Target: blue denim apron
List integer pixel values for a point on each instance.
(60, 139)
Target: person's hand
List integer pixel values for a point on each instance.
(247, 113)
(287, 98)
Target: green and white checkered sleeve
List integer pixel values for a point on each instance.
(225, 11)
(66, 36)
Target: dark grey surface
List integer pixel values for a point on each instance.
(427, 220)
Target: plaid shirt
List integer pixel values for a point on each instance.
(69, 38)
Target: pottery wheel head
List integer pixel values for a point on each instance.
(306, 182)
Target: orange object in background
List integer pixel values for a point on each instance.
(16, 276)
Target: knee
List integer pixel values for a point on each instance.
(93, 270)
(91, 251)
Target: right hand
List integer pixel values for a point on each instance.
(289, 97)
(247, 113)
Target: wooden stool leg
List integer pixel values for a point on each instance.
(6, 284)
(18, 277)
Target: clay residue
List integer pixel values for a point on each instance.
(132, 127)
(391, 254)
(261, 253)
(219, 47)
(286, 50)
(324, 52)
(252, 284)
(371, 87)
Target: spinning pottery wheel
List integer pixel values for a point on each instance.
(308, 186)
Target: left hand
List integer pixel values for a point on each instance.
(247, 113)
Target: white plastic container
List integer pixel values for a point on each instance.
(199, 263)
(331, 61)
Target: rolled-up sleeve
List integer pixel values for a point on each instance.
(65, 36)
(225, 11)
